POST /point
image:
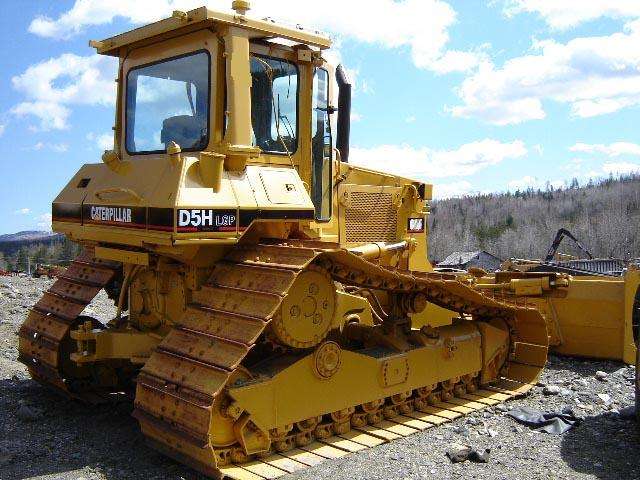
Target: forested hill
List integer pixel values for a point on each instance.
(604, 216)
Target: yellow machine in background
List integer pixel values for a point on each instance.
(271, 296)
(587, 315)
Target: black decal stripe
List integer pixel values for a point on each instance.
(66, 212)
(118, 224)
(161, 219)
(248, 216)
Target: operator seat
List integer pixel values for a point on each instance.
(186, 130)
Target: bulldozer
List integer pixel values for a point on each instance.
(275, 304)
(589, 303)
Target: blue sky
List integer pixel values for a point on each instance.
(482, 96)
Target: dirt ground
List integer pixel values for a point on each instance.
(43, 436)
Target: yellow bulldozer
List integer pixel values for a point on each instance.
(590, 305)
(275, 304)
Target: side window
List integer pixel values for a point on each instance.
(274, 104)
(168, 101)
(321, 146)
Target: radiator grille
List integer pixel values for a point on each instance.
(370, 217)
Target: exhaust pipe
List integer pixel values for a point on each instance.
(344, 113)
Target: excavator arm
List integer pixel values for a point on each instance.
(563, 232)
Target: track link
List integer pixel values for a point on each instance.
(44, 336)
(179, 387)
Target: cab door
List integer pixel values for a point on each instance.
(321, 147)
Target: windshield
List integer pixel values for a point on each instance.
(168, 101)
(274, 104)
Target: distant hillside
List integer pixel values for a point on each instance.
(29, 236)
(19, 250)
(604, 216)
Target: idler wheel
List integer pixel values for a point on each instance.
(306, 314)
(327, 360)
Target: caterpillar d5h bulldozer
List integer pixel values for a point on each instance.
(275, 305)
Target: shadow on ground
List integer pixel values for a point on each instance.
(605, 446)
(70, 440)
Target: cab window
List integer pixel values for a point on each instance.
(274, 104)
(321, 146)
(168, 101)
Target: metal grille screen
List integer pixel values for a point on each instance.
(371, 217)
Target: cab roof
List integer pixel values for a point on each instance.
(199, 18)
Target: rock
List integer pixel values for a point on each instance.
(602, 376)
(474, 421)
(28, 414)
(459, 453)
(502, 407)
(565, 392)
(492, 433)
(582, 382)
(604, 398)
(551, 390)
(460, 430)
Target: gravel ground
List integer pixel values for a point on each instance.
(45, 437)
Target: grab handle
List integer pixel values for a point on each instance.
(105, 191)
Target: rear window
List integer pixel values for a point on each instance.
(274, 104)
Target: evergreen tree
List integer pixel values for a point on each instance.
(22, 260)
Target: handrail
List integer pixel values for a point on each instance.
(127, 191)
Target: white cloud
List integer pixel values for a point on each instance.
(53, 85)
(410, 119)
(355, 116)
(419, 25)
(366, 87)
(44, 221)
(456, 61)
(529, 181)
(616, 149)
(593, 75)
(2, 128)
(563, 14)
(51, 115)
(58, 147)
(451, 190)
(23, 211)
(103, 141)
(54, 147)
(425, 163)
(573, 166)
(620, 168)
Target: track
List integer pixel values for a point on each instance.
(180, 390)
(44, 340)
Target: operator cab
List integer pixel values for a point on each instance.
(186, 92)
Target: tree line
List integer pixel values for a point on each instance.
(20, 257)
(603, 215)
